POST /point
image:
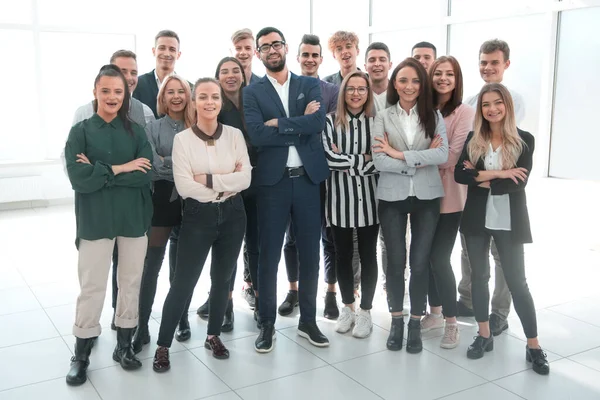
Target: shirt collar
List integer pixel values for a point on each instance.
(172, 122)
(354, 116)
(99, 122)
(158, 82)
(204, 136)
(401, 111)
(274, 81)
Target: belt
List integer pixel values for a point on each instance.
(295, 172)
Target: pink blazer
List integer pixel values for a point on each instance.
(458, 126)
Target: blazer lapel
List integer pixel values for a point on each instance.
(294, 83)
(273, 94)
(396, 122)
(154, 85)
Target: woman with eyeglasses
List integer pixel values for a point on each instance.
(177, 111)
(211, 167)
(409, 144)
(495, 164)
(108, 161)
(351, 203)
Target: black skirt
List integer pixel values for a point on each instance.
(166, 212)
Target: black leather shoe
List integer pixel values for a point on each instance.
(291, 301)
(394, 341)
(480, 346)
(331, 308)
(310, 331)
(202, 311)
(183, 332)
(463, 311)
(264, 341)
(80, 361)
(538, 358)
(414, 344)
(228, 318)
(140, 338)
(123, 353)
(112, 323)
(497, 324)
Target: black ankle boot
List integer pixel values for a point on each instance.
(80, 361)
(414, 344)
(228, 319)
(480, 346)
(183, 331)
(396, 337)
(141, 337)
(538, 358)
(123, 353)
(203, 310)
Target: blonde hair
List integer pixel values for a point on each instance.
(512, 144)
(241, 35)
(189, 112)
(341, 113)
(342, 36)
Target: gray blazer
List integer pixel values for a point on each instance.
(420, 164)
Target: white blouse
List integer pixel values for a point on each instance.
(497, 213)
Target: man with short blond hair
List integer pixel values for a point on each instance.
(243, 50)
(344, 46)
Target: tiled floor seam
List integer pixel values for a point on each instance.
(278, 378)
(354, 380)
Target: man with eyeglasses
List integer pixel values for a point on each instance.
(285, 120)
(310, 58)
(344, 46)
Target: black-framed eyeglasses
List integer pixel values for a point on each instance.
(362, 90)
(276, 45)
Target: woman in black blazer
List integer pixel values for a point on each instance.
(495, 164)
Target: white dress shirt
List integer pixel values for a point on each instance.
(411, 126)
(380, 101)
(283, 91)
(497, 212)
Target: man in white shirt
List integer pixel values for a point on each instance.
(285, 122)
(494, 59)
(378, 64)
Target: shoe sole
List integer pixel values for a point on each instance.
(269, 349)
(449, 346)
(77, 383)
(346, 331)
(182, 339)
(363, 337)
(307, 336)
(132, 368)
(207, 347)
(413, 351)
(160, 370)
(227, 329)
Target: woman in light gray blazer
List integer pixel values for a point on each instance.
(410, 142)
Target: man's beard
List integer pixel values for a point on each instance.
(275, 68)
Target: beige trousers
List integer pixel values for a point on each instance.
(93, 270)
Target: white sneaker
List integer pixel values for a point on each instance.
(451, 337)
(364, 324)
(345, 320)
(432, 321)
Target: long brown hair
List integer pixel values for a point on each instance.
(425, 110)
(457, 93)
(512, 144)
(341, 113)
(189, 112)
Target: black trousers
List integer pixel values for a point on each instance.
(219, 227)
(512, 258)
(251, 249)
(367, 249)
(393, 217)
(442, 288)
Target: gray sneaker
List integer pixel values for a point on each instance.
(451, 337)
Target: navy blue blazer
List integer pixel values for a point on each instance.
(261, 104)
(147, 91)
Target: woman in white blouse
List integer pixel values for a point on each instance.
(211, 167)
(495, 163)
(351, 203)
(409, 143)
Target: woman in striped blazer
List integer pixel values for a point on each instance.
(351, 202)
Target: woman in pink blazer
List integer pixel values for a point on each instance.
(446, 82)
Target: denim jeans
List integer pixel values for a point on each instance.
(219, 227)
(393, 217)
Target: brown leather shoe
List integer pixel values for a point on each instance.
(217, 347)
(161, 361)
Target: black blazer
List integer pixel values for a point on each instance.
(147, 91)
(473, 218)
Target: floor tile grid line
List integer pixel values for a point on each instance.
(32, 341)
(473, 387)
(354, 380)
(208, 397)
(569, 316)
(508, 390)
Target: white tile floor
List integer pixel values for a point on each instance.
(38, 288)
